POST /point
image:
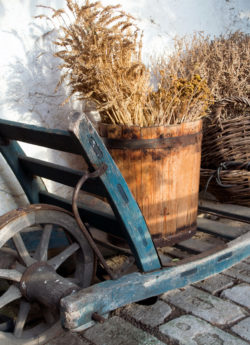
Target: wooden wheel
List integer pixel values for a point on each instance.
(33, 278)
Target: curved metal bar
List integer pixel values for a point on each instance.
(89, 238)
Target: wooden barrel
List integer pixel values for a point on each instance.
(162, 168)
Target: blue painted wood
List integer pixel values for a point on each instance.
(121, 199)
(30, 184)
(56, 139)
(77, 310)
(61, 174)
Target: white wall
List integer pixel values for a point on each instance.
(29, 71)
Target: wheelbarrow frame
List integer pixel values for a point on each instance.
(126, 221)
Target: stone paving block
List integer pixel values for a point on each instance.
(240, 271)
(239, 294)
(150, 315)
(216, 283)
(247, 260)
(117, 331)
(243, 329)
(204, 305)
(189, 330)
(68, 338)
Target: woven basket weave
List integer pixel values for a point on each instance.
(226, 139)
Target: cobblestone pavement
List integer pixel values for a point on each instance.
(215, 311)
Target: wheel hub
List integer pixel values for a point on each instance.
(41, 283)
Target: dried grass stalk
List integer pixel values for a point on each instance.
(178, 100)
(222, 61)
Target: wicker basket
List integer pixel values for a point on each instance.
(226, 151)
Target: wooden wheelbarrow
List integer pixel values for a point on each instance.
(48, 258)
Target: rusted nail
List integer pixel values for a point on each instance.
(97, 317)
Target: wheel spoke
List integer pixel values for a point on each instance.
(8, 260)
(22, 251)
(10, 295)
(56, 261)
(21, 319)
(7, 257)
(41, 253)
(35, 331)
(10, 275)
(18, 267)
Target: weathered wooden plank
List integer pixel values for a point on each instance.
(93, 215)
(77, 310)
(121, 199)
(30, 184)
(52, 138)
(195, 245)
(220, 229)
(240, 213)
(61, 174)
(175, 252)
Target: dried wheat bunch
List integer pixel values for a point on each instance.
(101, 50)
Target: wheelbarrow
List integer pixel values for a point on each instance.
(53, 270)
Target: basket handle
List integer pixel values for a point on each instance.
(229, 165)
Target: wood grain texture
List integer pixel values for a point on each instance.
(164, 181)
(221, 229)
